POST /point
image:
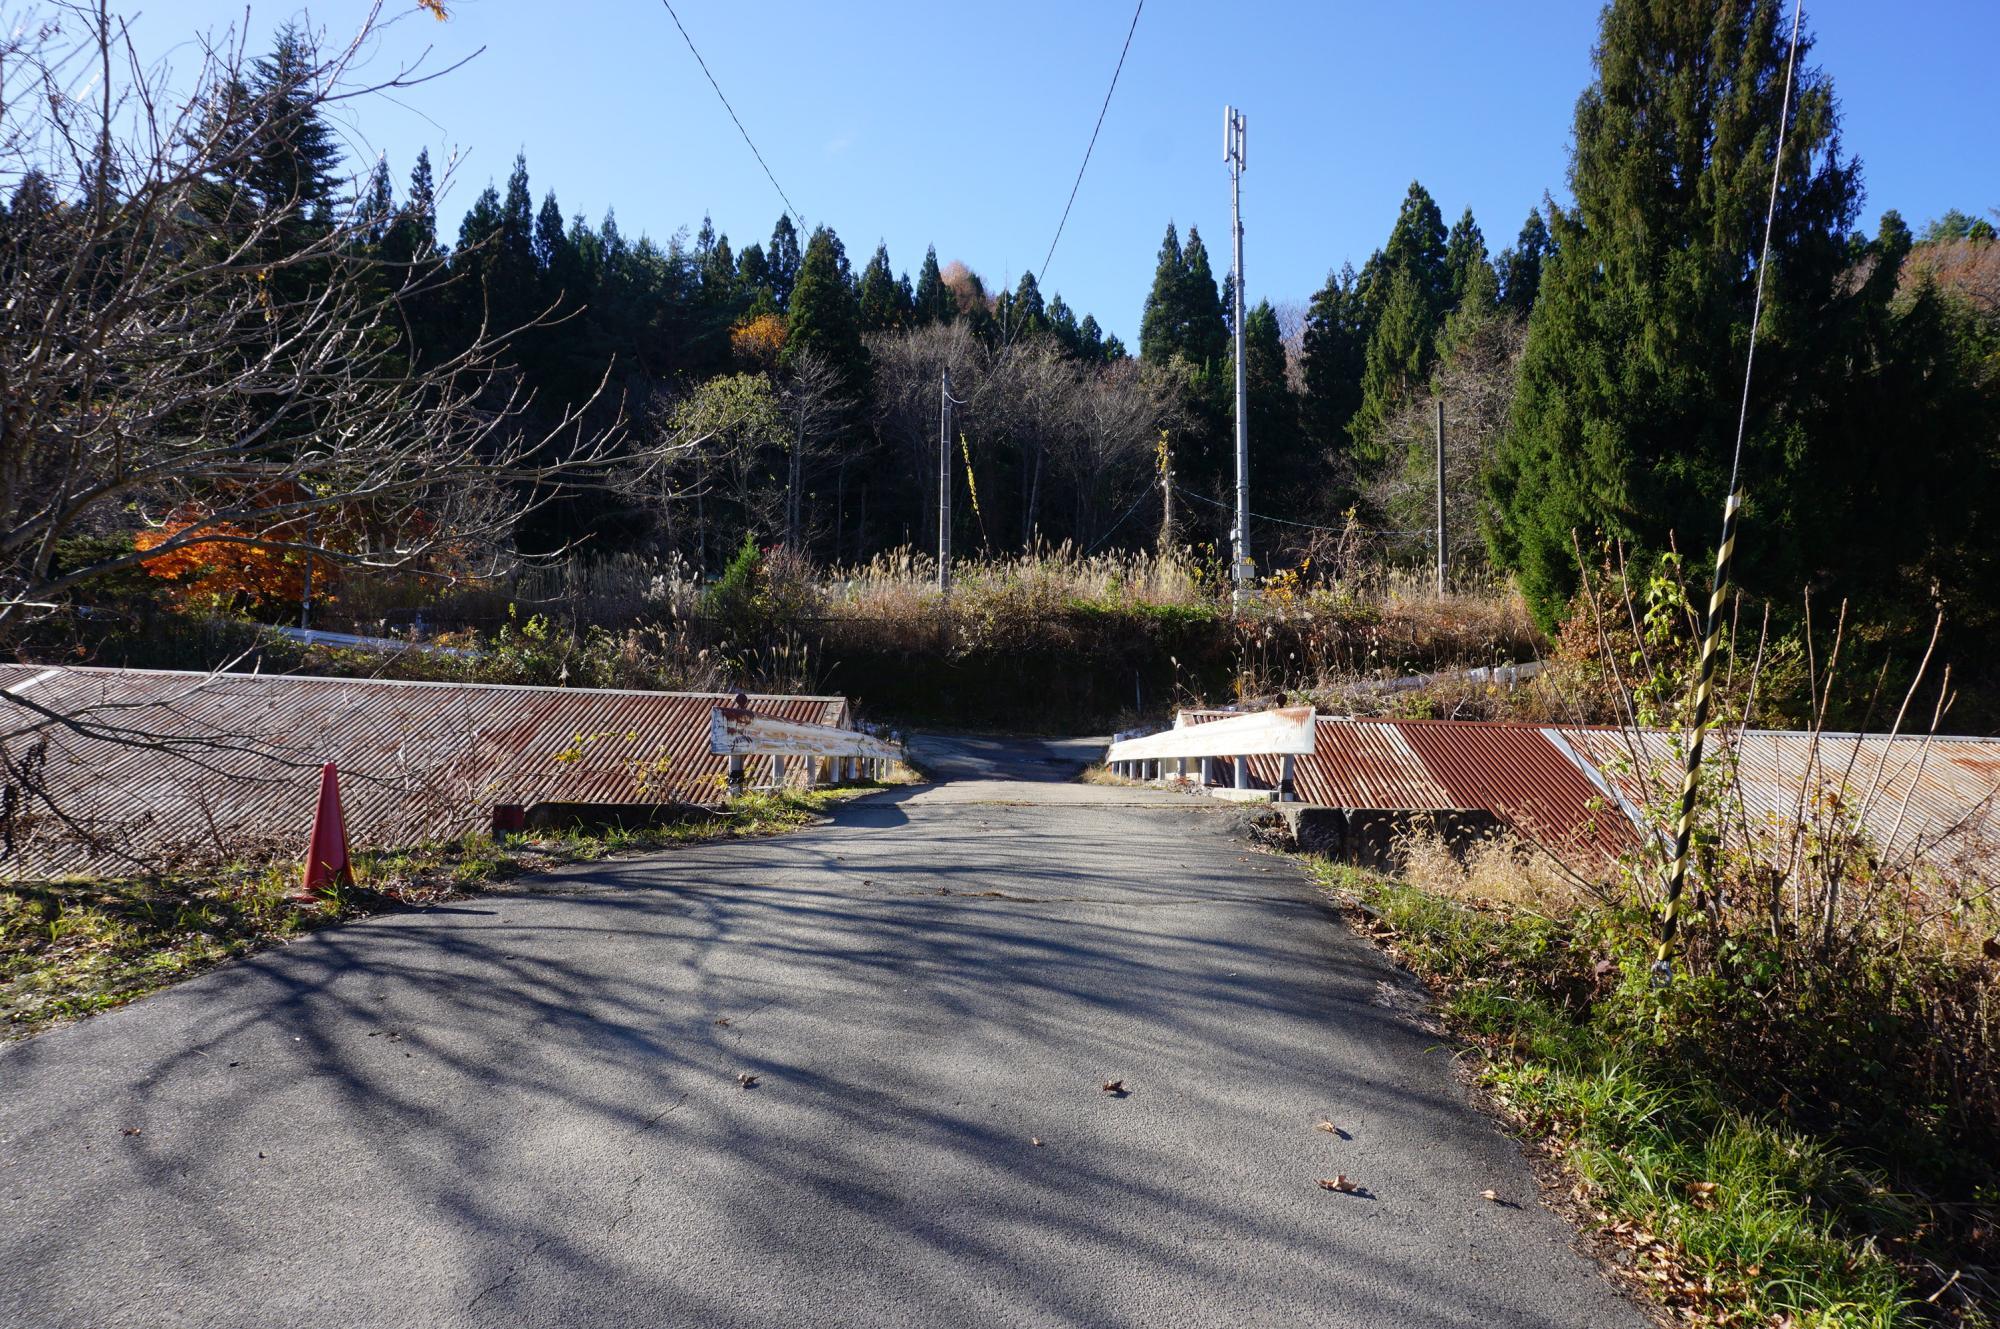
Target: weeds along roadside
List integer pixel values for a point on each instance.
(71, 948)
(1803, 1128)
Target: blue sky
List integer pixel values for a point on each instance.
(961, 124)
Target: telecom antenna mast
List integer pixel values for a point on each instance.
(1243, 571)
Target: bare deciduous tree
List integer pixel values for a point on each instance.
(188, 359)
(1475, 381)
(812, 396)
(188, 356)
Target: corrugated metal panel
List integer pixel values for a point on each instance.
(418, 760)
(1939, 795)
(1510, 770)
(1581, 793)
(1513, 770)
(1355, 764)
(1359, 764)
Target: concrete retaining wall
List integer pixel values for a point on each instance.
(1366, 837)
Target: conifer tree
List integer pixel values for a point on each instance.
(295, 157)
(1406, 296)
(1161, 324)
(1521, 266)
(1335, 349)
(1418, 245)
(881, 307)
(1625, 415)
(934, 300)
(1464, 255)
(516, 238)
(1027, 317)
(781, 262)
(377, 209)
(824, 316)
(551, 235)
(1280, 464)
(1205, 335)
(1063, 325)
(1090, 340)
(1400, 350)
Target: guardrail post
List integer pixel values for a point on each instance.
(1182, 772)
(778, 772)
(1285, 794)
(1208, 772)
(735, 777)
(1242, 772)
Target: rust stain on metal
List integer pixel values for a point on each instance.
(417, 760)
(1513, 770)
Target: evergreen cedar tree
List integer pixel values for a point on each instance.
(1865, 459)
(1184, 316)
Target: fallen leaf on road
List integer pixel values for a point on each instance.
(747, 1080)
(1494, 1196)
(1035, 1140)
(133, 1130)
(1328, 1127)
(723, 1022)
(1114, 1086)
(1338, 1183)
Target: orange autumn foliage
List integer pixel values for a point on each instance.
(758, 341)
(220, 571)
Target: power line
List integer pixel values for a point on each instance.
(1093, 142)
(1304, 525)
(799, 217)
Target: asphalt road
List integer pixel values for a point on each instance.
(526, 1109)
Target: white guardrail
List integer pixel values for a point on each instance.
(1286, 732)
(848, 754)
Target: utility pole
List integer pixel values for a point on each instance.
(1167, 533)
(1443, 553)
(944, 481)
(1233, 155)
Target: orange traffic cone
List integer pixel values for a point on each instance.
(326, 855)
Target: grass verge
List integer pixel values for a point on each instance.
(1727, 1215)
(70, 948)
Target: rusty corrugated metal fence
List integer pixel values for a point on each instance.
(1583, 793)
(233, 759)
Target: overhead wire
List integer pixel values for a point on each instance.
(1704, 688)
(1039, 276)
(1302, 525)
(796, 215)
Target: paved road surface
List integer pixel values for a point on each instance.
(525, 1109)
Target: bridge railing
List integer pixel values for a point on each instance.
(844, 754)
(1284, 732)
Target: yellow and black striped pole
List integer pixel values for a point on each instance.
(1704, 701)
(1725, 554)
